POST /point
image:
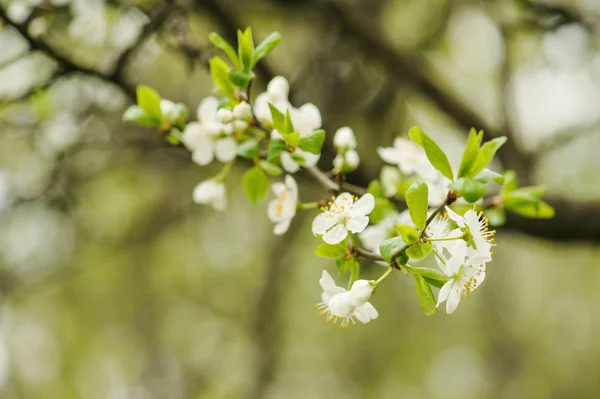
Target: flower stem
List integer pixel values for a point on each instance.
(440, 257)
(443, 238)
(224, 172)
(384, 275)
(308, 205)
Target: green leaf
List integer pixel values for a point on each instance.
(292, 139)
(256, 184)
(288, 126)
(416, 200)
(136, 114)
(270, 168)
(425, 295)
(439, 279)
(331, 251)
(299, 159)
(375, 189)
(246, 48)
(278, 119)
(312, 142)
(470, 154)
(520, 198)
(471, 190)
(343, 265)
(486, 175)
(496, 216)
(276, 147)
(539, 210)
(248, 149)
(240, 78)
(408, 233)
(219, 72)
(419, 251)
(390, 246)
(536, 191)
(486, 153)
(149, 100)
(434, 153)
(510, 181)
(266, 46)
(221, 43)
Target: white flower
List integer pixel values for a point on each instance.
(283, 208)
(210, 192)
(209, 138)
(338, 303)
(168, 109)
(242, 111)
(437, 190)
(278, 88)
(346, 213)
(373, 236)
(306, 119)
(478, 240)
(276, 94)
(409, 157)
(224, 115)
(344, 139)
(465, 277)
(346, 162)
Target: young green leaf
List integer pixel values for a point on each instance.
(496, 216)
(375, 189)
(246, 48)
(471, 190)
(416, 199)
(278, 118)
(390, 246)
(331, 251)
(221, 43)
(288, 126)
(248, 149)
(270, 168)
(292, 139)
(538, 210)
(434, 153)
(312, 142)
(149, 100)
(470, 154)
(486, 153)
(276, 147)
(510, 181)
(240, 78)
(419, 251)
(136, 114)
(299, 159)
(256, 184)
(431, 275)
(266, 46)
(425, 295)
(487, 175)
(219, 72)
(408, 233)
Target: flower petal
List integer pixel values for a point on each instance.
(363, 206)
(390, 155)
(204, 153)
(288, 164)
(366, 313)
(207, 110)
(281, 227)
(456, 217)
(335, 235)
(291, 184)
(444, 292)
(323, 222)
(225, 149)
(453, 300)
(357, 224)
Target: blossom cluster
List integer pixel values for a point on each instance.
(278, 139)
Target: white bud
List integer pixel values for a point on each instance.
(344, 138)
(242, 111)
(240, 126)
(352, 159)
(278, 88)
(212, 193)
(224, 115)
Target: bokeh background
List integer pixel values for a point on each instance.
(113, 284)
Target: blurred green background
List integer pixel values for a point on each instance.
(113, 284)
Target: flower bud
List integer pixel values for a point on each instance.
(278, 88)
(224, 115)
(212, 193)
(242, 111)
(352, 159)
(240, 126)
(344, 138)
